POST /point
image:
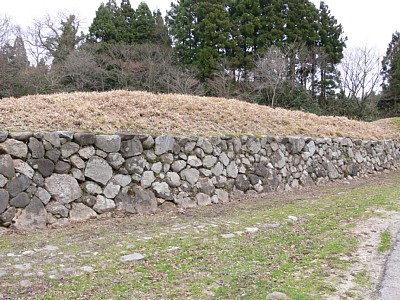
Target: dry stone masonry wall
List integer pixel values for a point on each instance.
(57, 177)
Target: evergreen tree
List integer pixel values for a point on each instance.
(143, 23)
(124, 23)
(14, 63)
(201, 34)
(391, 72)
(103, 27)
(181, 23)
(113, 24)
(18, 57)
(245, 17)
(62, 45)
(331, 40)
(160, 34)
(272, 24)
(212, 34)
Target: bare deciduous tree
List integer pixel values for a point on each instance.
(270, 72)
(360, 72)
(81, 72)
(6, 30)
(181, 81)
(53, 37)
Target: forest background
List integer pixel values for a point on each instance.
(289, 54)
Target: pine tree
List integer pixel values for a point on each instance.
(103, 27)
(143, 23)
(113, 24)
(66, 42)
(160, 34)
(331, 40)
(181, 23)
(391, 72)
(212, 34)
(245, 17)
(201, 34)
(272, 24)
(18, 57)
(124, 23)
(13, 64)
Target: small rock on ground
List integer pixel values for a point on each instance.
(132, 257)
(88, 269)
(276, 296)
(228, 235)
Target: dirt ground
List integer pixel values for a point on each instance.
(366, 258)
(25, 260)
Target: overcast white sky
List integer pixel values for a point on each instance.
(364, 22)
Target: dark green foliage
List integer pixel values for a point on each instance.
(143, 24)
(207, 37)
(291, 97)
(245, 16)
(65, 43)
(391, 75)
(160, 34)
(331, 40)
(17, 55)
(122, 24)
(181, 23)
(104, 25)
(123, 19)
(201, 34)
(13, 64)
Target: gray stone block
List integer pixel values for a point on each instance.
(16, 149)
(36, 148)
(164, 144)
(6, 166)
(18, 185)
(33, 216)
(4, 197)
(44, 166)
(80, 212)
(20, 201)
(62, 167)
(136, 165)
(108, 143)
(98, 170)
(131, 148)
(84, 139)
(63, 188)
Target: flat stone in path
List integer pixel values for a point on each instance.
(132, 257)
(251, 229)
(228, 235)
(276, 296)
(25, 266)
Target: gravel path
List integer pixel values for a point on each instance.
(389, 288)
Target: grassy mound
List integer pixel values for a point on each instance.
(141, 112)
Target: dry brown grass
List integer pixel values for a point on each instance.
(141, 112)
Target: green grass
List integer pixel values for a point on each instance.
(187, 257)
(386, 241)
(395, 122)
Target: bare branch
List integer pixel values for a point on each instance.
(360, 71)
(270, 72)
(6, 30)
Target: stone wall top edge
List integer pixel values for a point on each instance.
(24, 134)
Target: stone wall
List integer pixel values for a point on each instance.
(53, 177)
